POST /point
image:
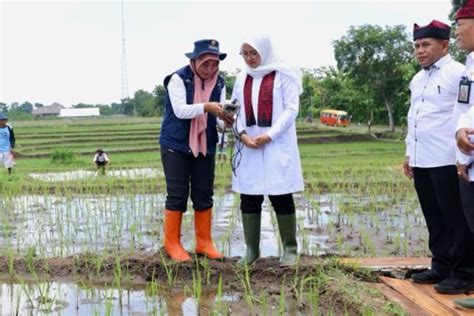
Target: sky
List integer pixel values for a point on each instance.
(70, 52)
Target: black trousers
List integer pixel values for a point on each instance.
(282, 204)
(450, 240)
(184, 171)
(467, 198)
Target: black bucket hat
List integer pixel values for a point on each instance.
(206, 46)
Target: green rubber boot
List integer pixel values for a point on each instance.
(466, 303)
(251, 224)
(287, 228)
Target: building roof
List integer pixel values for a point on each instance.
(54, 108)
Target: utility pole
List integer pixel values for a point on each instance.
(124, 62)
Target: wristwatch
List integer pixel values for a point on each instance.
(244, 132)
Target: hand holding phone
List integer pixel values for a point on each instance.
(230, 108)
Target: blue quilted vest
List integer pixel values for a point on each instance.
(175, 131)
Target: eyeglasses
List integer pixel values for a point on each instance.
(252, 53)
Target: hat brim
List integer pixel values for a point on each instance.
(193, 55)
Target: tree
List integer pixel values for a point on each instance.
(376, 59)
(128, 107)
(145, 103)
(83, 106)
(457, 54)
(116, 108)
(159, 93)
(3, 107)
(456, 5)
(306, 98)
(26, 107)
(229, 83)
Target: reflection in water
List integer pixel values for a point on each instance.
(55, 298)
(83, 174)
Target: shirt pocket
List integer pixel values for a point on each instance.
(443, 91)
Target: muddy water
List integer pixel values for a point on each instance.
(56, 298)
(336, 224)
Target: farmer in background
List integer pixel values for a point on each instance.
(100, 160)
(431, 160)
(7, 143)
(269, 164)
(188, 141)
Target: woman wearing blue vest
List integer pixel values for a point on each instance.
(188, 144)
(268, 91)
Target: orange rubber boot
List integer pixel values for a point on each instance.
(172, 228)
(204, 244)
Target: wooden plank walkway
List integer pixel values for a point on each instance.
(416, 299)
(390, 262)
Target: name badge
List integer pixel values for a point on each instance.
(464, 93)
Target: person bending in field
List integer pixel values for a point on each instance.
(101, 161)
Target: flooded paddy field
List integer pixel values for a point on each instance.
(116, 239)
(54, 226)
(76, 243)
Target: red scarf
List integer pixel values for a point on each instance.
(265, 101)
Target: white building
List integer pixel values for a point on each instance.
(79, 112)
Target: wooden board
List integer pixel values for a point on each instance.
(447, 300)
(426, 297)
(388, 262)
(408, 306)
(416, 299)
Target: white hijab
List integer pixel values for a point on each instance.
(270, 62)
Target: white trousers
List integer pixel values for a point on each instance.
(7, 158)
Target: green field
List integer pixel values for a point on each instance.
(330, 156)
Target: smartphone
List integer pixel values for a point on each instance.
(231, 108)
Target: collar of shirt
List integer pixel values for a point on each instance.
(469, 60)
(440, 63)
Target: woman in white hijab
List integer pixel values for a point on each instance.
(267, 158)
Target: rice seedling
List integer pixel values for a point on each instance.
(347, 208)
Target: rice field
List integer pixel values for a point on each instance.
(76, 242)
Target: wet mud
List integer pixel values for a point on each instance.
(140, 268)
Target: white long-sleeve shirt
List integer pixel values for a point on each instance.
(466, 118)
(182, 110)
(431, 123)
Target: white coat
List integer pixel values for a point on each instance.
(275, 168)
